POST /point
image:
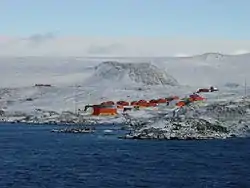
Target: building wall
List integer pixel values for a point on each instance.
(104, 111)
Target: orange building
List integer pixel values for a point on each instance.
(121, 104)
(162, 100)
(196, 97)
(142, 103)
(150, 104)
(108, 103)
(104, 110)
(134, 103)
(169, 99)
(153, 101)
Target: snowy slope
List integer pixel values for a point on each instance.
(208, 69)
(99, 81)
(215, 120)
(129, 74)
(26, 71)
(197, 70)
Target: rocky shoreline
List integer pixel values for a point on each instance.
(213, 121)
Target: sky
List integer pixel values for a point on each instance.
(58, 22)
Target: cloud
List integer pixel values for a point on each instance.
(105, 50)
(50, 44)
(38, 39)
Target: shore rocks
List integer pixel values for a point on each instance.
(214, 121)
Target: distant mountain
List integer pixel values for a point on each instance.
(199, 70)
(208, 69)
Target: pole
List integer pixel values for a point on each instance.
(245, 88)
(75, 100)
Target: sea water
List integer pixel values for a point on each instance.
(33, 156)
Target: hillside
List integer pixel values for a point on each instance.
(115, 73)
(208, 69)
(102, 79)
(205, 69)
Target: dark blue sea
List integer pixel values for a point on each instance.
(33, 156)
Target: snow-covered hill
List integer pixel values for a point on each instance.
(115, 73)
(196, 70)
(208, 69)
(77, 81)
(101, 79)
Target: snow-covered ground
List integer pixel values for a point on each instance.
(214, 120)
(78, 81)
(19, 75)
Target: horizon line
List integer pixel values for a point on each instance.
(108, 56)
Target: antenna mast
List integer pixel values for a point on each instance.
(245, 89)
(75, 99)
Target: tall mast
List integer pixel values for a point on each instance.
(245, 94)
(75, 99)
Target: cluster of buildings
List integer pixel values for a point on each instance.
(110, 108)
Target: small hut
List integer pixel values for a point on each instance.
(108, 103)
(162, 100)
(203, 90)
(134, 103)
(122, 104)
(143, 103)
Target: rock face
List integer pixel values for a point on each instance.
(144, 73)
(182, 128)
(220, 120)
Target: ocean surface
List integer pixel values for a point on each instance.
(33, 156)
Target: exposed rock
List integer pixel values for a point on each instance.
(220, 120)
(144, 73)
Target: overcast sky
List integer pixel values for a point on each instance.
(124, 27)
